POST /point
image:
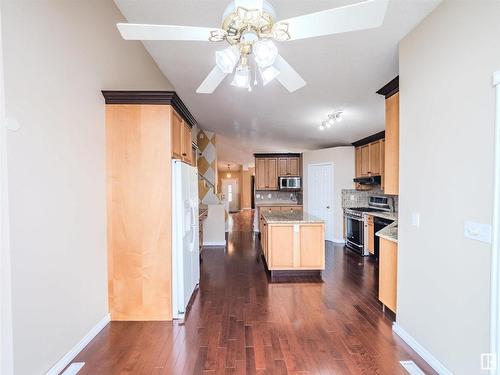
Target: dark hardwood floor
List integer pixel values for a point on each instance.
(239, 323)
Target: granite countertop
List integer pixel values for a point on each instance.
(277, 203)
(285, 217)
(383, 215)
(390, 232)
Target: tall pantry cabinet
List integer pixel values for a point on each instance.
(140, 144)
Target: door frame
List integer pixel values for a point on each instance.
(332, 203)
(237, 181)
(495, 253)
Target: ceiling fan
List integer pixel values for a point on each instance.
(250, 27)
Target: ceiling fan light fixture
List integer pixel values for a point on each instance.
(241, 77)
(268, 74)
(265, 53)
(227, 59)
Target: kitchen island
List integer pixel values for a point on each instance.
(293, 243)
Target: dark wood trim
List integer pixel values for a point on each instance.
(390, 89)
(370, 139)
(277, 155)
(150, 97)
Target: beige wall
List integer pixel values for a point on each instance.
(58, 56)
(446, 164)
(343, 174)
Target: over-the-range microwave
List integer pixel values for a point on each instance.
(290, 183)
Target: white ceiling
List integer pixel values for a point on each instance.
(342, 73)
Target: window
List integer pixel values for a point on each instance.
(229, 193)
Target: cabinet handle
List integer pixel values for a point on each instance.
(184, 154)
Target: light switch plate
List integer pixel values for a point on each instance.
(415, 219)
(477, 231)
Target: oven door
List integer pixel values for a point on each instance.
(354, 233)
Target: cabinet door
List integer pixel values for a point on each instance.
(283, 166)
(382, 163)
(392, 145)
(388, 273)
(371, 235)
(312, 248)
(294, 166)
(176, 136)
(186, 143)
(358, 161)
(365, 160)
(280, 246)
(272, 174)
(374, 159)
(260, 174)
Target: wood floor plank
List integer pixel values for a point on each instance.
(240, 323)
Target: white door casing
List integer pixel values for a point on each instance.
(320, 201)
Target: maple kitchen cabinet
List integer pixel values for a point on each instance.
(288, 166)
(269, 167)
(266, 174)
(292, 241)
(181, 139)
(388, 273)
(140, 131)
(391, 149)
(370, 159)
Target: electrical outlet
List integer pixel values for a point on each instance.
(352, 197)
(477, 231)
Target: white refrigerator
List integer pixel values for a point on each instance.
(185, 236)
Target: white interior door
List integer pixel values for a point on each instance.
(320, 195)
(231, 193)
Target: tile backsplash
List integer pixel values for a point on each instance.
(359, 198)
(273, 196)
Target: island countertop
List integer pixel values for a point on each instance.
(287, 217)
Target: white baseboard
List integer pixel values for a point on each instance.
(421, 351)
(338, 240)
(69, 356)
(221, 243)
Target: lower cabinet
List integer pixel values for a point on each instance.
(388, 273)
(371, 235)
(294, 246)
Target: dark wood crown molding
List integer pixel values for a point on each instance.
(370, 139)
(278, 154)
(390, 89)
(150, 97)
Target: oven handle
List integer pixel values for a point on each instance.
(354, 218)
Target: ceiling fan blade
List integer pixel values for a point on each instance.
(212, 81)
(134, 31)
(365, 15)
(288, 77)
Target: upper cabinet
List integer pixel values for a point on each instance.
(370, 159)
(269, 167)
(289, 166)
(266, 173)
(391, 149)
(176, 135)
(181, 139)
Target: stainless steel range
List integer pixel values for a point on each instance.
(355, 222)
